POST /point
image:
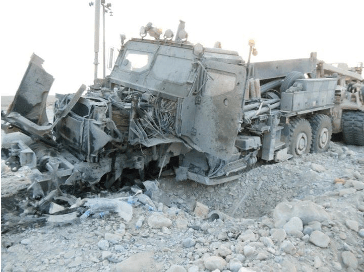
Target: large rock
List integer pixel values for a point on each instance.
(319, 239)
(349, 259)
(307, 211)
(293, 225)
(138, 262)
(214, 262)
(157, 220)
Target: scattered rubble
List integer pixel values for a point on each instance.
(299, 220)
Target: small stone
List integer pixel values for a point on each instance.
(358, 185)
(288, 247)
(119, 248)
(113, 238)
(25, 241)
(181, 223)
(122, 229)
(315, 225)
(176, 268)
(69, 254)
(352, 224)
(166, 230)
(287, 266)
(279, 235)
(317, 262)
(361, 233)
(307, 230)
(349, 259)
(201, 210)
(306, 238)
(261, 256)
(157, 220)
(319, 239)
(337, 265)
(143, 261)
(214, 262)
(267, 241)
(249, 250)
(76, 262)
(318, 168)
(106, 254)
(293, 225)
(188, 242)
(224, 251)
(193, 268)
(103, 244)
(160, 207)
(235, 265)
(349, 191)
(222, 236)
(342, 235)
(248, 235)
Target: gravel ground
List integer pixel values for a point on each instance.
(305, 214)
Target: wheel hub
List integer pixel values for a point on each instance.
(324, 138)
(301, 145)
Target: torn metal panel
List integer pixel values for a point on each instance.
(31, 97)
(211, 118)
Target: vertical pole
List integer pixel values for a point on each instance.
(247, 78)
(103, 40)
(97, 35)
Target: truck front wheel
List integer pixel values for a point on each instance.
(300, 137)
(321, 133)
(353, 127)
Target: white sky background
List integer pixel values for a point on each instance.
(62, 32)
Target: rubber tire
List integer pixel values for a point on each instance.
(296, 127)
(353, 127)
(290, 79)
(318, 123)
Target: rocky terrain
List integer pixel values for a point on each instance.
(305, 214)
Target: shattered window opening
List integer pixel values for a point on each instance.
(136, 61)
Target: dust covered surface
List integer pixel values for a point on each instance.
(305, 214)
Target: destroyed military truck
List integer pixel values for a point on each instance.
(205, 111)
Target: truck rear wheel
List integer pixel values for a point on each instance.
(290, 79)
(321, 132)
(353, 127)
(300, 137)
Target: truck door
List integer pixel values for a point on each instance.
(210, 117)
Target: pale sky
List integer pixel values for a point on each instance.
(62, 32)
